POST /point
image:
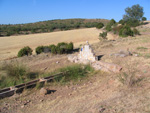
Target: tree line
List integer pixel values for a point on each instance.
(49, 26)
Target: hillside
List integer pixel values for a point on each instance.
(124, 92)
(49, 26)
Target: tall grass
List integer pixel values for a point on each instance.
(14, 73)
(74, 73)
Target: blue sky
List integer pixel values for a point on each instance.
(26, 11)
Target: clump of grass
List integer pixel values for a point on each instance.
(129, 78)
(141, 48)
(74, 73)
(14, 74)
(147, 55)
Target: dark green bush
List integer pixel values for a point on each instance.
(25, 51)
(62, 48)
(112, 22)
(125, 31)
(53, 49)
(122, 22)
(132, 23)
(99, 25)
(39, 49)
(70, 47)
(144, 18)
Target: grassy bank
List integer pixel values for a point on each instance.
(15, 73)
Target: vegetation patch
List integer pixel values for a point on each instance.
(74, 73)
(25, 51)
(14, 74)
(142, 48)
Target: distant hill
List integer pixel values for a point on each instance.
(49, 26)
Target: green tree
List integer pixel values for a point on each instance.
(135, 13)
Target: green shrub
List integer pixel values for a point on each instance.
(108, 27)
(61, 48)
(122, 22)
(70, 47)
(53, 49)
(99, 25)
(103, 35)
(25, 51)
(144, 18)
(117, 29)
(39, 49)
(125, 31)
(112, 22)
(132, 23)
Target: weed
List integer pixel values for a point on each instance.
(74, 73)
(142, 48)
(129, 79)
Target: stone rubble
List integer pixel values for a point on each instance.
(86, 56)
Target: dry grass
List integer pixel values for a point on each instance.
(9, 46)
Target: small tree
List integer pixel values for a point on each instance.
(134, 13)
(25, 51)
(103, 36)
(99, 25)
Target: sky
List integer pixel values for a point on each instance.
(28, 11)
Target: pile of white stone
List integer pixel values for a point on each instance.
(86, 55)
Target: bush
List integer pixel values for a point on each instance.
(125, 31)
(39, 49)
(144, 18)
(99, 25)
(117, 29)
(108, 27)
(53, 49)
(70, 47)
(122, 22)
(112, 22)
(103, 35)
(25, 51)
(61, 48)
(132, 23)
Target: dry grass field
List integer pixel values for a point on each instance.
(9, 46)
